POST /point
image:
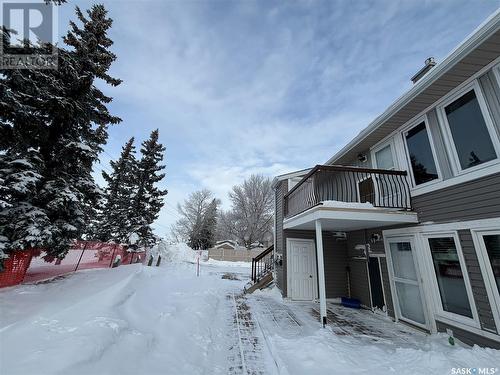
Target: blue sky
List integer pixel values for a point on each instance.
(242, 87)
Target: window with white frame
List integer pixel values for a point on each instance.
(420, 154)
(469, 129)
(450, 276)
(492, 246)
(489, 244)
(384, 157)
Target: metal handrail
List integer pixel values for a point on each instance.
(381, 187)
(262, 264)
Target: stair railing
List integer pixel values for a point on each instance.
(262, 264)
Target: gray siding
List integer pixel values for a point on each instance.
(477, 283)
(280, 269)
(359, 281)
(335, 260)
(467, 337)
(360, 287)
(477, 199)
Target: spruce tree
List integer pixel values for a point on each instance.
(148, 199)
(206, 237)
(62, 116)
(119, 196)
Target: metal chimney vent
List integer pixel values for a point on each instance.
(429, 64)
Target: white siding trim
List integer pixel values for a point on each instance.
(431, 275)
(487, 273)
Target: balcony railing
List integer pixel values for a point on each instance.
(380, 187)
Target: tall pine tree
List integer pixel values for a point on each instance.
(56, 123)
(148, 199)
(119, 194)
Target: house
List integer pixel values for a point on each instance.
(227, 244)
(406, 217)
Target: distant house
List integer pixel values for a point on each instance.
(226, 244)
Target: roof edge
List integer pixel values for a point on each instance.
(482, 32)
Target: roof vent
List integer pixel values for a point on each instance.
(429, 64)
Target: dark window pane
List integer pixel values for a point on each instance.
(492, 243)
(449, 276)
(469, 131)
(422, 161)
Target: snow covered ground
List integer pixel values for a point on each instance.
(166, 320)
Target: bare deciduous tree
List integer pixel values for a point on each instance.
(198, 221)
(250, 219)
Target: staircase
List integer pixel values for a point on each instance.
(262, 270)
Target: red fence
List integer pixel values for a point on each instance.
(30, 265)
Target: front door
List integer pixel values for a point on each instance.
(301, 269)
(376, 283)
(409, 302)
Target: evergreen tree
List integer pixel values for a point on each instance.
(148, 199)
(115, 224)
(206, 236)
(61, 116)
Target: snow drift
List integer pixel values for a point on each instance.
(176, 253)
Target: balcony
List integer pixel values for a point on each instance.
(349, 198)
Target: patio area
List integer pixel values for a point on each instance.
(298, 318)
(353, 342)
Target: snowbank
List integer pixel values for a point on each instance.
(127, 320)
(178, 253)
(272, 292)
(175, 253)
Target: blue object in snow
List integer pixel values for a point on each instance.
(351, 302)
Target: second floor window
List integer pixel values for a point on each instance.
(469, 131)
(420, 154)
(383, 158)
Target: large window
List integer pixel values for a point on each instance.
(469, 131)
(420, 153)
(487, 244)
(492, 245)
(449, 276)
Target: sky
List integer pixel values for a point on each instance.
(243, 87)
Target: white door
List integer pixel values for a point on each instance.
(301, 268)
(409, 303)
